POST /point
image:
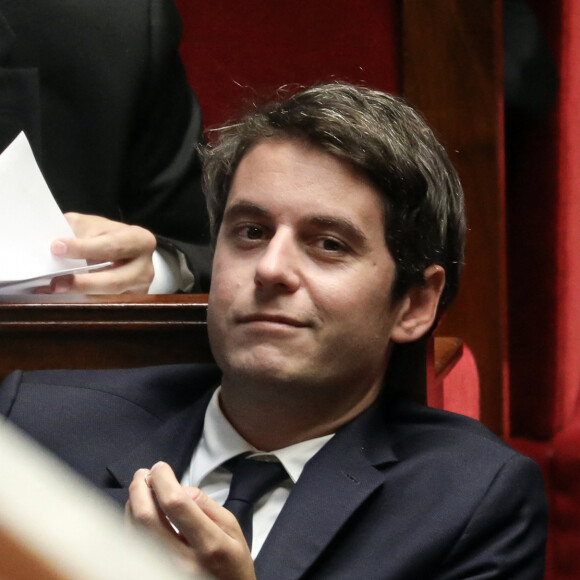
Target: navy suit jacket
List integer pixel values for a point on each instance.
(100, 91)
(401, 492)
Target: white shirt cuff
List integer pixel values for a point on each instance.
(171, 273)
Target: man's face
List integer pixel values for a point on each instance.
(302, 275)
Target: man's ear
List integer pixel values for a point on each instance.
(418, 308)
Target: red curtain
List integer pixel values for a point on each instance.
(568, 259)
(239, 51)
(543, 202)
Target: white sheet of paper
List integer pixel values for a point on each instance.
(27, 286)
(30, 220)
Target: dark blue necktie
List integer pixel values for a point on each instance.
(251, 479)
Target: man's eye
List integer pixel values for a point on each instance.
(252, 233)
(331, 245)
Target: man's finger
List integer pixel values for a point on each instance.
(143, 508)
(127, 277)
(216, 512)
(120, 244)
(200, 531)
(213, 544)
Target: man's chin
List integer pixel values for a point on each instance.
(266, 374)
(265, 371)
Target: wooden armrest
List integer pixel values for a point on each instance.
(443, 353)
(447, 352)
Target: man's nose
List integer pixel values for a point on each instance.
(278, 265)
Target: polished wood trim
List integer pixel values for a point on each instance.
(20, 562)
(447, 352)
(46, 332)
(138, 310)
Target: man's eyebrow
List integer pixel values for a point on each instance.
(343, 225)
(245, 208)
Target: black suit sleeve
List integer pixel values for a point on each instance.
(163, 189)
(9, 392)
(506, 535)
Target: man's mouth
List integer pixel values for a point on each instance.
(273, 319)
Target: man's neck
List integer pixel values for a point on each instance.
(276, 416)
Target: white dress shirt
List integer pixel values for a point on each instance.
(219, 443)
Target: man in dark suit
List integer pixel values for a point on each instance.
(99, 89)
(339, 228)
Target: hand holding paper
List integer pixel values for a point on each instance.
(38, 248)
(129, 249)
(29, 221)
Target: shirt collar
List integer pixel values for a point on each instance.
(220, 442)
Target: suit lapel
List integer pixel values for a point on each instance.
(333, 485)
(173, 443)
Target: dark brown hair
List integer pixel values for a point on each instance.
(385, 140)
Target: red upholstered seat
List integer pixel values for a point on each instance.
(461, 387)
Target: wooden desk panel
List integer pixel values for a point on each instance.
(101, 332)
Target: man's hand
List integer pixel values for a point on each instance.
(98, 239)
(209, 535)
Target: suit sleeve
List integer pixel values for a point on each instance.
(506, 536)
(9, 392)
(163, 181)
